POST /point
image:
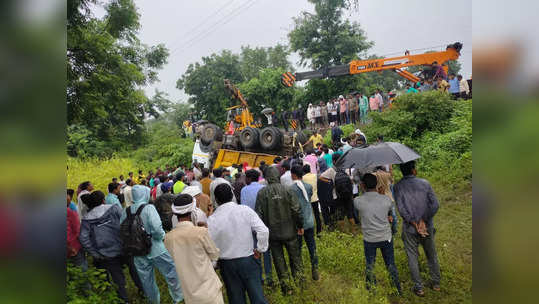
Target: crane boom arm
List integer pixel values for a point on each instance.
(397, 64)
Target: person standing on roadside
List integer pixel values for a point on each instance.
(324, 114)
(464, 89)
(219, 179)
(315, 139)
(353, 105)
(158, 257)
(380, 100)
(193, 250)
(128, 194)
(442, 85)
(112, 197)
(310, 178)
(100, 236)
(375, 211)
(363, 108)
(248, 198)
(280, 211)
(454, 86)
(310, 115)
(334, 111)
(179, 184)
(304, 192)
(343, 109)
(75, 253)
(206, 181)
(417, 206)
(231, 227)
(317, 116)
(84, 188)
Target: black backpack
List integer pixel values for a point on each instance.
(136, 241)
(343, 185)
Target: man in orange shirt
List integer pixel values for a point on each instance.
(205, 181)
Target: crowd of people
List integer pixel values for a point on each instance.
(190, 223)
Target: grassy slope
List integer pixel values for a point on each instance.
(342, 265)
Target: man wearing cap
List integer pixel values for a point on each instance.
(231, 227)
(193, 251)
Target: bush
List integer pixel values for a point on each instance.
(412, 115)
(89, 287)
(439, 129)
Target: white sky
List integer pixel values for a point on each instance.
(192, 29)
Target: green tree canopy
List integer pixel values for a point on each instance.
(106, 68)
(203, 81)
(326, 37)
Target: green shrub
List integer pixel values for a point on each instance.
(89, 287)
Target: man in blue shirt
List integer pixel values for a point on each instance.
(454, 87)
(248, 198)
(112, 197)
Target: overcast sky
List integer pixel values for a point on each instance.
(191, 29)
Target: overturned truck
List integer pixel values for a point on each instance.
(244, 135)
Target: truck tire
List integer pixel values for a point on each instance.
(249, 137)
(210, 132)
(270, 138)
(301, 137)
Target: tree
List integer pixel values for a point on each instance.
(254, 60)
(204, 81)
(266, 90)
(106, 68)
(158, 104)
(326, 38)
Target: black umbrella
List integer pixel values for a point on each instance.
(386, 153)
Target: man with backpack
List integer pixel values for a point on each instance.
(100, 236)
(142, 235)
(342, 191)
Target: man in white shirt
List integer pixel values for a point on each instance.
(218, 175)
(128, 195)
(231, 227)
(464, 89)
(286, 178)
(317, 116)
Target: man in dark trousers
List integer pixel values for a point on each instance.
(280, 211)
(284, 118)
(417, 206)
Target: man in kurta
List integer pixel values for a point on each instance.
(193, 251)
